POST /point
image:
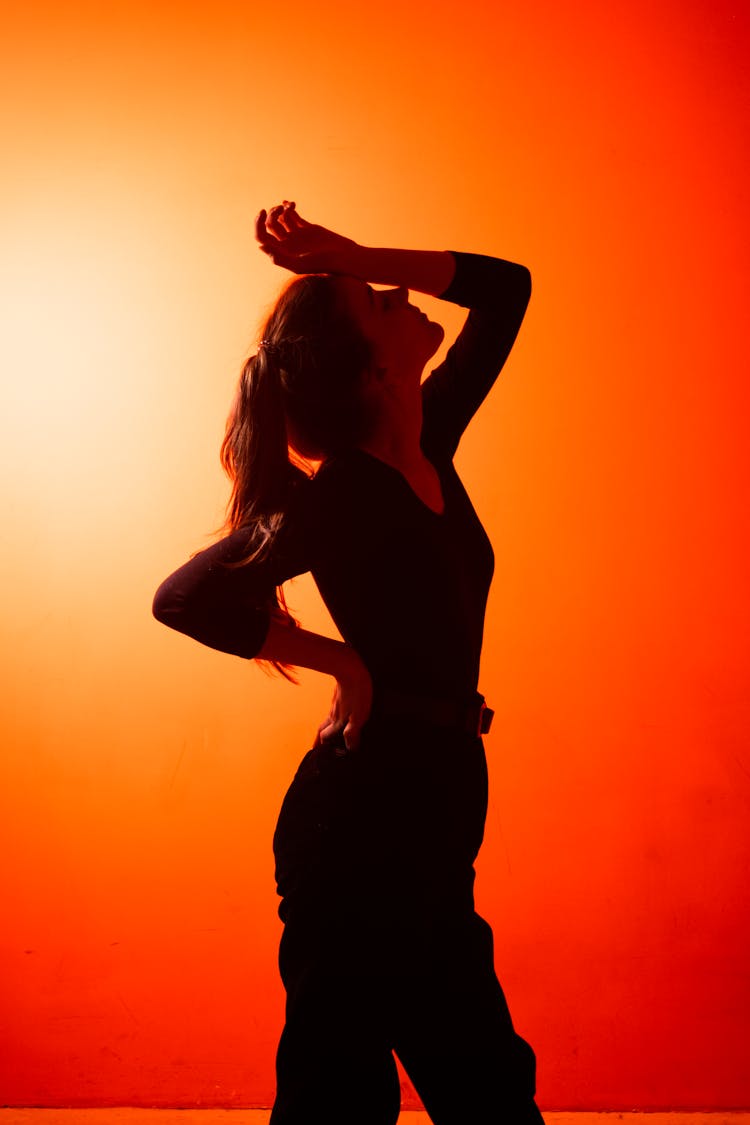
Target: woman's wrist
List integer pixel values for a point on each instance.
(304, 649)
(424, 271)
(351, 665)
(344, 257)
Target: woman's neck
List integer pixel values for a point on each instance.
(396, 439)
(399, 447)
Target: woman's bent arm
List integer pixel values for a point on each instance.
(303, 649)
(214, 605)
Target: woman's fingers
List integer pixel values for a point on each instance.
(302, 247)
(261, 234)
(270, 235)
(281, 220)
(328, 728)
(344, 733)
(286, 217)
(267, 241)
(273, 221)
(350, 707)
(332, 724)
(338, 731)
(332, 734)
(351, 735)
(291, 219)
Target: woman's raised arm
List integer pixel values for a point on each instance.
(302, 247)
(495, 291)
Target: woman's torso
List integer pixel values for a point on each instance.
(406, 586)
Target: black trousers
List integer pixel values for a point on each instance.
(382, 950)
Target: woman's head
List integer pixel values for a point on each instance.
(319, 354)
(302, 389)
(401, 337)
(332, 349)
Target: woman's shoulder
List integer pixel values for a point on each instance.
(316, 492)
(341, 492)
(338, 473)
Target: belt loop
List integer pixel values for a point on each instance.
(484, 717)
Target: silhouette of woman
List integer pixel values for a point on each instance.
(382, 950)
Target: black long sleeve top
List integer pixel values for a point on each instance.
(407, 587)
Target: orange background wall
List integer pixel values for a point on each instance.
(605, 146)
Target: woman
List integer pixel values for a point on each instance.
(382, 950)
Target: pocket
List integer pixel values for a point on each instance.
(311, 826)
(299, 825)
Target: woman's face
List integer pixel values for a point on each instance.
(402, 336)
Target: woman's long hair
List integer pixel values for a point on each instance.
(298, 400)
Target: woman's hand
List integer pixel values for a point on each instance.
(350, 707)
(352, 699)
(302, 247)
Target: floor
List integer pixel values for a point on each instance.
(260, 1117)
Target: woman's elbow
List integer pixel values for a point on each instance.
(515, 293)
(168, 605)
(524, 284)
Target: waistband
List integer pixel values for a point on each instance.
(471, 717)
